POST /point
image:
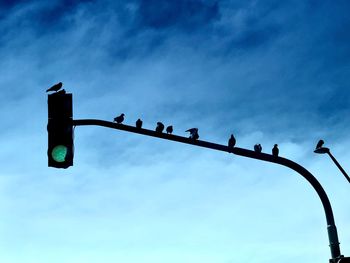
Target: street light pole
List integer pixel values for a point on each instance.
(338, 165)
(323, 150)
(331, 228)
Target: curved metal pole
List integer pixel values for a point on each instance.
(331, 228)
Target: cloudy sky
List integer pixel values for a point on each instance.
(268, 71)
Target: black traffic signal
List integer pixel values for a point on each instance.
(60, 130)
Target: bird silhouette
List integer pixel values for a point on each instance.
(139, 123)
(119, 119)
(232, 141)
(55, 87)
(275, 150)
(193, 133)
(258, 148)
(319, 144)
(169, 129)
(160, 127)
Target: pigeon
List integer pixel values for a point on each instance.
(231, 142)
(258, 148)
(119, 119)
(193, 133)
(160, 127)
(319, 144)
(275, 150)
(55, 87)
(138, 124)
(169, 129)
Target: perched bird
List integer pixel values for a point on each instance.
(258, 148)
(193, 133)
(232, 141)
(160, 127)
(55, 87)
(319, 144)
(169, 129)
(275, 150)
(138, 124)
(119, 119)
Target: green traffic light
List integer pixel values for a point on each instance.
(59, 153)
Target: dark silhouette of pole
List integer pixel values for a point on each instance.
(323, 150)
(338, 165)
(331, 228)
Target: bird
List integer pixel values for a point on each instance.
(160, 127)
(169, 129)
(55, 87)
(193, 133)
(319, 144)
(275, 150)
(119, 119)
(231, 141)
(139, 123)
(258, 148)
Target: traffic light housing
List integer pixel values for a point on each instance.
(60, 130)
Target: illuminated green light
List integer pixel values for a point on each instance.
(59, 153)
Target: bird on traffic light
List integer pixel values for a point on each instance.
(169, 129)
(139, 124)
(275, 150)
(119, 119)
(160, 127)
(258, 148)
(319, 144)
(232, 141)
(55, 87)
(193, 133)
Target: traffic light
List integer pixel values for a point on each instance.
(60, 130)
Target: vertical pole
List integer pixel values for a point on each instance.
(331, 228)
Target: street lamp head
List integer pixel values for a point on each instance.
(321, 150)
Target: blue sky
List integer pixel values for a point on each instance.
(267, 71)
